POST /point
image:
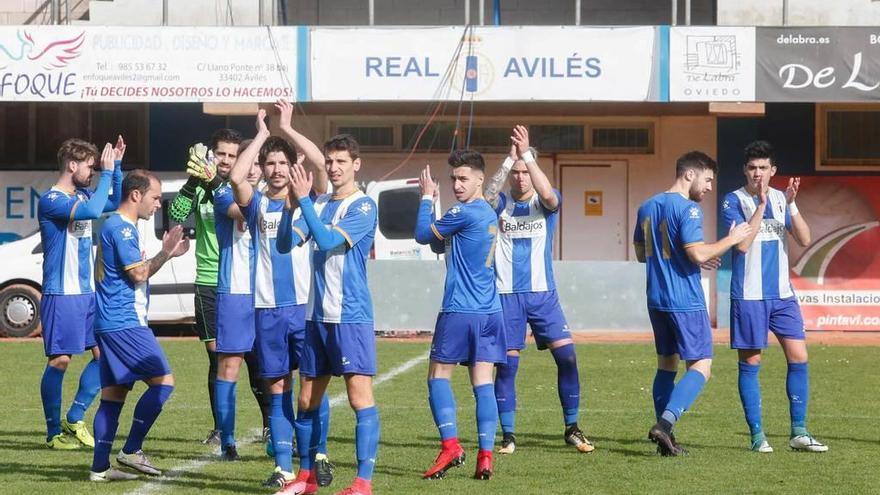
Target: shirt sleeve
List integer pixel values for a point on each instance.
(127, 247)
(58, 206)
(358, 222)
(558, 204)
(501, 203)
(691, 225)
(223, 199)
(788, 216)
(731, 211)
(455, 219)
(252, 210)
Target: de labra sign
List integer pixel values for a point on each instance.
(818, 64)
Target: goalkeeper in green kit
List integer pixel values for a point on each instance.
(209, 169)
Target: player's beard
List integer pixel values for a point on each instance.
(695, 193)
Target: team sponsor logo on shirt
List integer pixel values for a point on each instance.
(725, 205)
(525, 226)
(694, 212)
(269, 224)
(207, 210)
(53, 196)
(365, 208)
(127, 234)
(455, 210)
(80, 228)
(771, 229)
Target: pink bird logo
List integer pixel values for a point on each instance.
(53, 54)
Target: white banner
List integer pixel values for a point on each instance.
(19, 196)
(712, 63)
(491, 63)
(130, 64)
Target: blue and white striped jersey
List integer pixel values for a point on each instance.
(237, 259)
(280, 279)
(340, 293)
(122, 304)
(761, 272)
(67, 243)
(524, 252)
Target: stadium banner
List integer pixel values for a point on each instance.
(711, 63)
(837, 277)
(147, 64)
(561, 63)
(19, 196)
(816, 64)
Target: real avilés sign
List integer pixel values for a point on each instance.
(485, 63)
(818, 64)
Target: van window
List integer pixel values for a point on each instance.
(398, 211)
(163, 223)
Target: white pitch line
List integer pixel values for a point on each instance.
(156, 485)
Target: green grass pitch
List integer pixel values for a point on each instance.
(616, 413)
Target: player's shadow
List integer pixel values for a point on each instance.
(22, 440)
(57, 471)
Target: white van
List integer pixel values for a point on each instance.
(171, 289)
(398, 204)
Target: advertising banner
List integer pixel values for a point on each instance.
(484, 64)
(132, 64)
(19, 196)
(817, 64)
(837, 277)
(712, 63)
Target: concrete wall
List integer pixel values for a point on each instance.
(800, 13)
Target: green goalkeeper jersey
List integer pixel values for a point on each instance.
(193, 198)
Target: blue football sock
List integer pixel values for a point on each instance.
(89, 386)
(287, 408)
(505, 393)
(145, 413)
(750, 396)
(366, 437)
(324, 418)
(50, 392)
(797, 387)
(567, 381)
(224, 398)
(443, 407)
(282, 434)
(683, 395)
(308, 429)
(104, 427)
(487, 415)
(664, 382)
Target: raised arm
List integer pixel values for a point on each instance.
(540, 182)
(493, 187)
(91, 209)
(325, 237)
(242, 190)
(173, 244)
(799, 228)
(314, 155)
(424, 233)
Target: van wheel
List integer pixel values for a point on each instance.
(20, 311)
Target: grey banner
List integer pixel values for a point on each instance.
(818, 64)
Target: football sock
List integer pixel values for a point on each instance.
(259, 386)
(50, 392)
(750, 396)
(797, 387)
(212, 377)
(89, 386)
(308, 426)
(683, 395)
(105, 425)
(282, 434)
(443, 407)
(664, 382)
(568, 383)
(487, 415)
(505, 393)
(366, 435)
(224, 397)
(324, 418)
(145, 413)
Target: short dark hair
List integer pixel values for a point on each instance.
(226, 136)
(343, 142)
(757, 150)
(694, 160)
(137, 180)
(467, 158)
(275, 143)
(76, 150)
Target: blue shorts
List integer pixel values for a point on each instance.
(68, 323)
(686, 333)
(279, 339)
(130, 355)
(750, 321)
(339, 349)
(542, 312)
(235, 323)
(469, 338)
